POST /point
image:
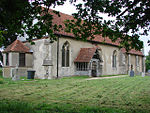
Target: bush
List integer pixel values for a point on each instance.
(1, 81)
(0, 71)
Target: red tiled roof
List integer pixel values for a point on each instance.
(85, 55)
(98, 38)
(132, 51)
(63, 17)
(60, 21)
(17, 46)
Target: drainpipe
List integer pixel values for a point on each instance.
(58, 55)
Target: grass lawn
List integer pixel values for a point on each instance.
(76, 95)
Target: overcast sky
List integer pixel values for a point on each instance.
(68, 8)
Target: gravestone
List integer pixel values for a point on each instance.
(143, 74)
(148, 72)
(46, 64)
(131, 73)
(15, 75)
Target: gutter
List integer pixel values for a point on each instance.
(58, 56)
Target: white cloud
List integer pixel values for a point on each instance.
(67, 8)
(145, 40)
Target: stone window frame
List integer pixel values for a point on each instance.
(22, 59)
(137, 61)
(143, 64)
(7, 59)
(66, 54)
(114, 59)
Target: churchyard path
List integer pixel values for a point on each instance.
(95, 78)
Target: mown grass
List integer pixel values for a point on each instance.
(77, 95)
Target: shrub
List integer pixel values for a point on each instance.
(1, 81)
(0, 71)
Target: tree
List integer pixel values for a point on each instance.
(131, 15)
(147, 61)
(11, 16)
(17, 17)
(1, 57)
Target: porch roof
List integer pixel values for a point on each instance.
(17, 46)
(85, 55)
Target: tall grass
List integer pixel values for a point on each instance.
(7, 106)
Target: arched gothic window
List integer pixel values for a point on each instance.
(65, 55)
(114, 59)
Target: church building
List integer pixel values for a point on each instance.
(68, 56)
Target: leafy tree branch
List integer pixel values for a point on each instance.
(17, 17)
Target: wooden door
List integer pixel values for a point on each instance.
(94, 69)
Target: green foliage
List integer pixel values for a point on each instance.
(1, 57)
(1, 81)
(147, 61)
(12, 14)
(129, 17)
(17, 17)
(0, 72)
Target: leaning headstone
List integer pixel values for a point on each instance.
(148, 72)
(15, 75)
(131, 73)
(143, 74)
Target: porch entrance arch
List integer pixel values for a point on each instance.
(96, 64)
(94, 69)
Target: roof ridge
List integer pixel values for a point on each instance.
(17, 46)
(14, 44)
